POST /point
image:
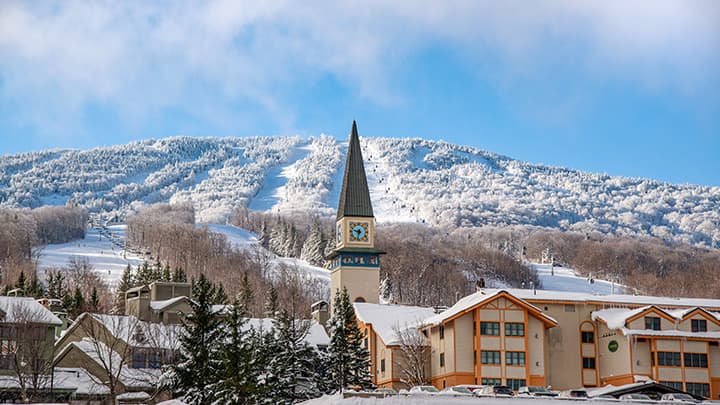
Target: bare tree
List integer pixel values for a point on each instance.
(32, 350)
(414, 359)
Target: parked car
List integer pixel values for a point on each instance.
(423, 389)
(574, 394)
(605, 397)
(635, 397)
(679, 398)
(386, 391)
(472, 387)
(495, 391)
(462, 391)
(536, 392)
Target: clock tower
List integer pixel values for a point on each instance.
(355, 261)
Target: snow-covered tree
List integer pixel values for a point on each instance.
(312, 250)
(197, 368)
(349, 359)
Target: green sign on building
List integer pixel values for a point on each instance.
(613, 346)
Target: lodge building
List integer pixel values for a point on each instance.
(521, 337)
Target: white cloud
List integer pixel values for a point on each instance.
(141, 57)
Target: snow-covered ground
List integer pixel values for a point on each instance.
(103, 248)
(567, 279)
(246, 240)
(440, 399)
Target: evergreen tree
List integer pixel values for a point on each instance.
(20, 284)
(179, 275)
(277, 239)
(127, 281)
(263, 235)
(78, 303)
(246, 295)
(312, 250)
(197, 368)
(271, 302)
(94, 300)
(293, 366)
(144, 274)
(291, 248)
(156, 271)
(166, 276)
(329, 247)
(349, 360)
(35, 289)
(239, 370)
(219, 295)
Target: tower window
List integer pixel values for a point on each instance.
(359, 299)
(442, 331)
(514, 329)
(442, 359)
(589, 362)
(382, 365)
(588, 337)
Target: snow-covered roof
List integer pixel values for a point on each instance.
(478, 298)
(670, 333)
(616, 318)
(161, 305)
(140, 333)
(622, 299)
(387, 319)
(316, 333)
(25, 309)
(104, 355)
(79, 379)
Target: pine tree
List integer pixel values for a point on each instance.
(246, 295)
(127, 281)
(144, 274)
(239, 370)
(166, 276)
(271, 302)
(20, 284)
(312, 250)
(78, 303)
(94, 300)
(293, 366)
(55, 285)
(292, 242)
(329, 247)
(349, 360)
(35, 289)
(277, 239)
(263, 235)
(219, 295)
(198, 365)
(179, 275)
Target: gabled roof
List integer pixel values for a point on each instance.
(482, 297)
(354, 196)
(616, 318)
(386, 320)
(25, 309)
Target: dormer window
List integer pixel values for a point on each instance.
(698, 325)
(652, 323)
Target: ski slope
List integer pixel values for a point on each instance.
(567, 279)
(104, 248)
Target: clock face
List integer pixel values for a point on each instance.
(359, 231)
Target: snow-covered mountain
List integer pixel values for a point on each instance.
(410, 179)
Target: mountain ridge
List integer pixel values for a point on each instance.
(410, 179)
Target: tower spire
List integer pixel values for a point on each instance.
(354, 196)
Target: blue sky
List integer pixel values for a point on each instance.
(627, 88)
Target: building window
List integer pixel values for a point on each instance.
(652, 323)
(490, 381)
(698, 325)
(490, 328)
(442, 359)
(474, 328)
(154, 360)
(489, 357)
(671, 359)
(695, 360)
(588, 337)
(701, 389)
(678, 385)
(589, 362)
(514, 329)
(442, 331)
(474, 357)
(569, 307)
(515, 383)
(138, 359)
(7, 362)
(515, 358)
(382, 365)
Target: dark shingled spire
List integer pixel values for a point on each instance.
(354, 196)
